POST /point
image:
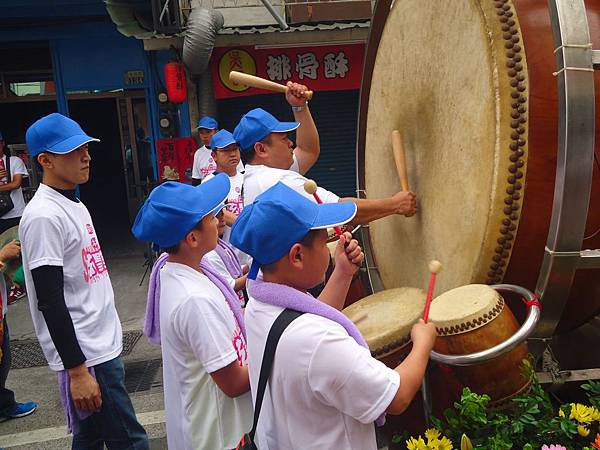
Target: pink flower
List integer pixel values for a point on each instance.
(553, 447)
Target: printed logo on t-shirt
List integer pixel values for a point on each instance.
(94, 266)
(208, 169)
(240, 346)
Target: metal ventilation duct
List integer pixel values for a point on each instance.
(202, 27)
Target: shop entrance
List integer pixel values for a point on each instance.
(121, 167)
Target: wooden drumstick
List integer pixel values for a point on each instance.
(261, 83)
(310, 186)
(400, 159)
(434, 267)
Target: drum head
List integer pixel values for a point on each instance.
(440, 77)
(390, 315)
(465, 308)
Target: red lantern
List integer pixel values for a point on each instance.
(175, 81)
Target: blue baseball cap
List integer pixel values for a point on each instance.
(256, 125)
(222, 139)
(55, 133)
(207, 122)
(174, 208)
(279, 218)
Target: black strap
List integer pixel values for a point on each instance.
(8, 167)
(286, 317)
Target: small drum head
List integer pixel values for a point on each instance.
(390, 315)
(465, 308)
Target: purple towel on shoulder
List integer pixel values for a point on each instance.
(229, 258)
(287, 297)
(152, 319)
(73, 415)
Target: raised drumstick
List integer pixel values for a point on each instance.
(261, 83)
(434, 267)
(400, 159)
(310, 186)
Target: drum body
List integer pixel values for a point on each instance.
(473, 318)
(469, 84)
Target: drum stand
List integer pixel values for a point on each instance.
(576, 61)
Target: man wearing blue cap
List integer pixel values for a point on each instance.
(226, 153)
(270, 157)
(71, 299)
(325, 389)
(201, 326)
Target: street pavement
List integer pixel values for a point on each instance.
(46, 427)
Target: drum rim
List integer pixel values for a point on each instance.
(496, 261)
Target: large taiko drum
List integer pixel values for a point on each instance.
(470, 85)
(473, 318)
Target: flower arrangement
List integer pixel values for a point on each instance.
(533, 423)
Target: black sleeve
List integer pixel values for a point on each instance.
(49, 286)
(196, 181)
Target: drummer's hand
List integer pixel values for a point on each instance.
(10, 251)
(348, 258)
(405, 203)
(423, 335)
(245, 269)
(295, 94)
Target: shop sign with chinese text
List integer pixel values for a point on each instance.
(321, 68)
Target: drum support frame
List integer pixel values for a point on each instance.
(575, 161)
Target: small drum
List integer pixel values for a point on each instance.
(473, 318)
(385, 320)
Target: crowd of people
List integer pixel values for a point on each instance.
(228, 298)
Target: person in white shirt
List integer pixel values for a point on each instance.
(325, 389)
(271, 157)
(204, 164)
(71, 299)
(226, 154)
(17, 172)
(202, 333)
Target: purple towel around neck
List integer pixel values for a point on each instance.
(230, 259)
(230, 296)
(287, 297)
(73, 415)
(152, 319)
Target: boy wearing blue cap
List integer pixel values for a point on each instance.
(204, 163)
(201, 325)
(325, 390)
(226, 153)
(70, 294)
(271, 158)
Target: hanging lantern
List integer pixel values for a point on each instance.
(175, 81)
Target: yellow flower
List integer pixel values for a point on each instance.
(416, 444)
(583, 431)
(445, 443)
(581, 413)
(432, 433)
(561, 413)
(595, 415)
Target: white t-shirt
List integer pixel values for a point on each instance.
(4, 293)
(56, 231)
(235, 204)
(259, 178)
(325, 390)
(204, 164)
(215, 260)
(17, 166)
(199, 336)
